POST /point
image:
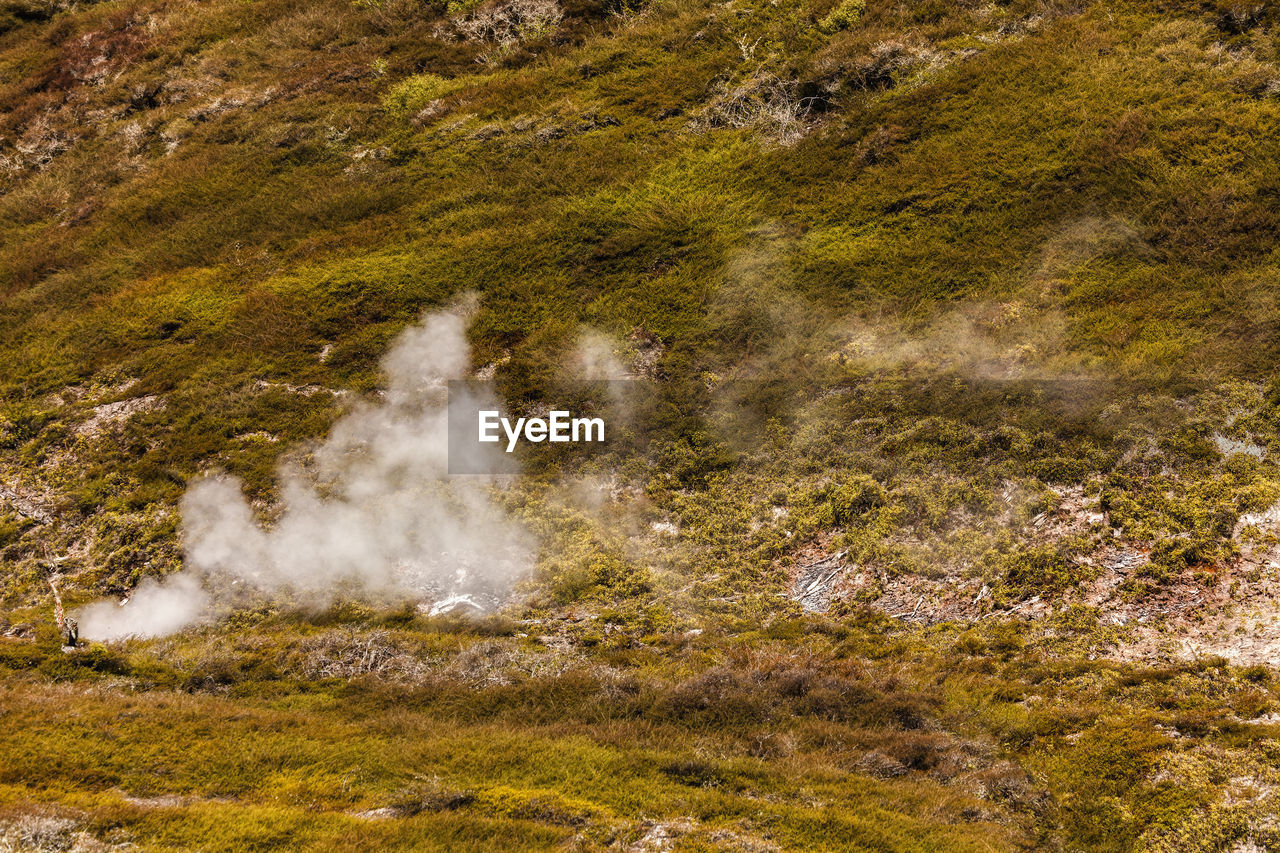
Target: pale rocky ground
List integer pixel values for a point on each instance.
(37, 833)
(1236, 616)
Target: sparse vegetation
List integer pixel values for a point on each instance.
(972, 307)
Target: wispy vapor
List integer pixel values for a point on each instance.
(374, 514)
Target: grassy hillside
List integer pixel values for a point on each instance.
(975, 303)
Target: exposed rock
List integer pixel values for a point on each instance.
(25, 504)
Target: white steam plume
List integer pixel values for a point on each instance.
(597, 357)
(376, 513)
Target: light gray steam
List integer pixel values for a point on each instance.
(374, 514)
(597, 357)
(156, 608)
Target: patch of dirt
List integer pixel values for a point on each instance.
(164, 801)
(815, 582)
(384, 813)
(37, 833)
(649, 351)
(258, 436)
(823, 578)
(26, 502)
(660, 837)
(1236, 615)
(113, 414)
(1237, 618)
(90, 393)
(301, 390)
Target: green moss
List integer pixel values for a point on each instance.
(845, 15)
(1041, 570)
(413, 93)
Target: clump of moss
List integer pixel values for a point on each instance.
(1042, 570)
(844, 16)
(413, 93)
(851, 499)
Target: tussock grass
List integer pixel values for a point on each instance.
(806, 733)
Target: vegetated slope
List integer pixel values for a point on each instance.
(1001, 279)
